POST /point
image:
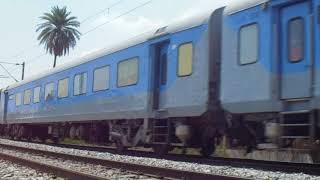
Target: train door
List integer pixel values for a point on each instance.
(161, 75)
(296, 57)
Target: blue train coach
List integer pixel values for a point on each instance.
(239, 81)
(269, 78)
(125, 93)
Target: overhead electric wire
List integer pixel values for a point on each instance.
(12, 68)
(2, 62)
(98, 26)
(23, 51)
(4, 77)
(117, 17)
(30, 61)
(102, 11)
(83, 21)
(8, 73)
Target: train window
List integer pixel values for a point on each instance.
(18, 99)
(185, 59)
(36, 94)
(27, 97)
(80, 84)
(296, 40)
(101, 78)
(249, 44)
(128, 72)
(49, 92)
(63, 88)
(11, 97)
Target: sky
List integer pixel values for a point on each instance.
(19, 20)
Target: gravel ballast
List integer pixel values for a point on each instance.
(87, 168)
(218, 170)
(11, 171)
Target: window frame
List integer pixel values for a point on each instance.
(67, 88)
(15, 99)
(93, 76)
(74, 77)
(45, 88)
(178, 63)
(24, 94)
(138, 71)
(239, 44)
(288, 40)
(33, 100)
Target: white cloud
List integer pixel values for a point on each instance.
(127, 25)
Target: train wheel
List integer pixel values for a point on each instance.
(120, 146)
(43, 139)
(29, 134)
(207, 148)
(208, 141)
(80, 133)
(72, 132)
(13, 132)
(161, 150)
(55, 140)
(21, 132)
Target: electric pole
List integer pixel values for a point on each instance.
(23, 66)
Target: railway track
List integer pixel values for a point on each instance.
(43, 167)
(149, 171)
(312, 169)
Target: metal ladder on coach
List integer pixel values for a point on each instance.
(160, 131)
(297, 125)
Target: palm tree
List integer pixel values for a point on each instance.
(58, 32)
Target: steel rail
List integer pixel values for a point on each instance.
(130, 167)
(287, 167)
(43, 167)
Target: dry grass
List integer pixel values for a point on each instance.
(73, 141)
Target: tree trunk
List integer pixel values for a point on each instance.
(55, 61)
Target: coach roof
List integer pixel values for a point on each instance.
(172, 28)
(241, 5)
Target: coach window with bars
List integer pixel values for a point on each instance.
(18, 99)
(11, 97)
(80, 84)
(27, 97)
(128, 72)
(249, 44)
(63, 87)
(36, 94)
(296, 40)
(49, 92)
(101, 78)
(185, 59)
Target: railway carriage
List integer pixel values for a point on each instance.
(269, 75)
(126, 91)
(240, 81)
